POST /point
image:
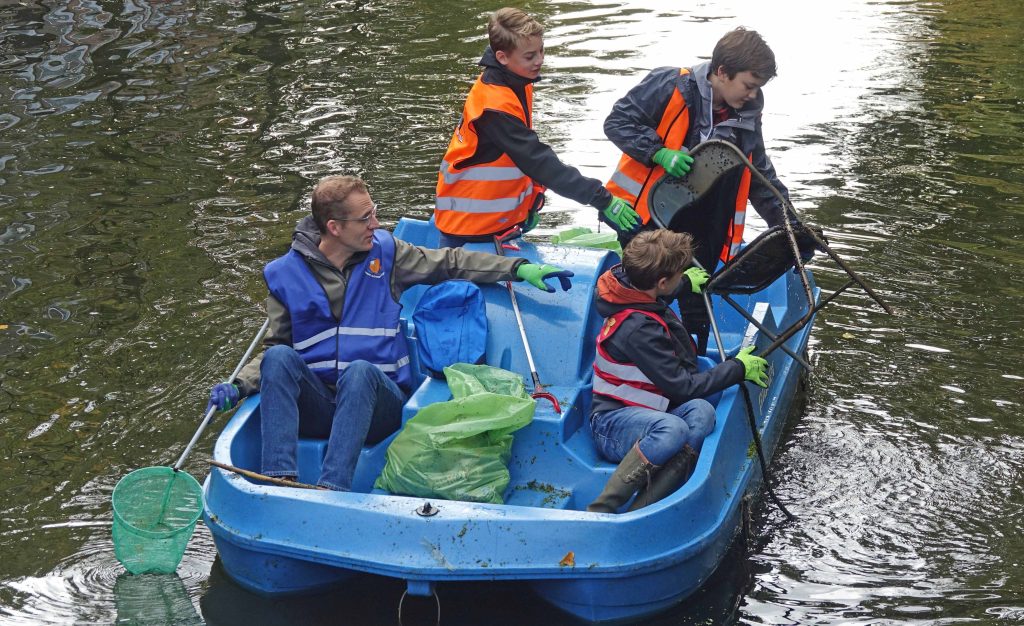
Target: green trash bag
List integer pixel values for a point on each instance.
(586, 238)
(155, 512)
(459, 450)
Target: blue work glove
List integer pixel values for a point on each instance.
(675, 162)
(223, 396)
(532, 219)
(697, 278)
(537, 274)
(754, 367)
(621, 216)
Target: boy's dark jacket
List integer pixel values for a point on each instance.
(503, 133)
(669, 361)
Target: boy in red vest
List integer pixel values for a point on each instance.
(496, 169)
(648, 413)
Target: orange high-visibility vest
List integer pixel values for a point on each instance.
(487, 197)
(632, 180)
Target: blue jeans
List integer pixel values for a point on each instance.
(660, 435)
(294, 402)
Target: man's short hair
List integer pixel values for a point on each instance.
(743, 50)
(329, 198)
(656, 254)
(509, 28)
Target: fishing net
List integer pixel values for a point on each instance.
(155, 512)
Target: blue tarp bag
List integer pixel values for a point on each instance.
(451, 326)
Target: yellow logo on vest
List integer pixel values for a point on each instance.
(373, 269)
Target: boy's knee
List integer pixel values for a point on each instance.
(702, 420)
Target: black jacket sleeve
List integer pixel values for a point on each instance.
(761, 197)
(643, 341)
(633, 123)
(538, 161)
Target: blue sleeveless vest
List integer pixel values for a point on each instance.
(369, 328)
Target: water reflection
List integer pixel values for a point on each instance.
(154, 155)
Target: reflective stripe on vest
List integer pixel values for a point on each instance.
(370, 326)
(487, 197)
(625, 382)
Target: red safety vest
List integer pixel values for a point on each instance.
(488, 197)
(632, 180)
(624, 381)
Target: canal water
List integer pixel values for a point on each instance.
(154, 155)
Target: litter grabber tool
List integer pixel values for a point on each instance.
(751, 420)
(670, 198)
(156, 508)
(500, 243)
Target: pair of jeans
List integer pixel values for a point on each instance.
(365, 408)
(660, 435)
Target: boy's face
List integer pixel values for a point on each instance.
(526, 59)
(735, 91)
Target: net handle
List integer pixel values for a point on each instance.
(213, 409)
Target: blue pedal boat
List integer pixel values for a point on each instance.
(598, 567)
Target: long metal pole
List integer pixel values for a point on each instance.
(212, 410)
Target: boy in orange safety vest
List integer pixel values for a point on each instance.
(672, 110)
(495, 171)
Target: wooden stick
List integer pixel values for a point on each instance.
(260, 477)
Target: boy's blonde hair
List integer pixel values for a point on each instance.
(508, 28)
(656, 254)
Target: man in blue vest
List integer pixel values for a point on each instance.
(336, 364)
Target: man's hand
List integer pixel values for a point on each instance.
(223, 396)
(621, 215)
(753, 367)
(697, 278)
(676, 162)
(537, 274)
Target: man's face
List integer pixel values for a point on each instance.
(354, 229)
(735, 91)
(526, 59)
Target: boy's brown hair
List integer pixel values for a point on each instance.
(743, 50)
(329, 198)
(508, 28)
(656, 254)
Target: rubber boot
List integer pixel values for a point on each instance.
(634, 472)
(670, 477)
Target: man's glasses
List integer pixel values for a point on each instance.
(363, 220)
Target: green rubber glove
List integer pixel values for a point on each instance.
(621, 215)
(754, 367)
(532, 219)
(697, 278)
(537, 274)
(675, 162)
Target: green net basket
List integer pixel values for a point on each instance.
(155, 512)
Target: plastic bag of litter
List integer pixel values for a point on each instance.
(459, 450)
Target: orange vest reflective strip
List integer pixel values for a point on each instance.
(632, 180)
(739, 218)
(487, 197)
(624, 381)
